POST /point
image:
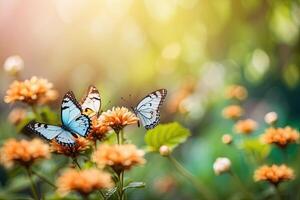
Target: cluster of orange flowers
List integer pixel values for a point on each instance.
(280, 136)
(235, 111)
(84, 181)
(23, 152)
(119, 157)
(32, 91)
(274, 174)
(38, 91)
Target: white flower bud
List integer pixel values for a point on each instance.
(221, 165)
(271, 118)
(13, 65)
(227, 139)
(164, 150)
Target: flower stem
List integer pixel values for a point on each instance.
(121, 185)
(35, 112)
(240, 185)
(122, 137)
(277, 192)
(199, 186)
(43, 178)
(118, 136)
(33, 188)
(76, 162)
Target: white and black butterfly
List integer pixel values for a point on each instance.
(73, 123)
(148, 108)
(91, 103)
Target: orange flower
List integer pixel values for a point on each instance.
(33, 91)
(80, 146)
(280, 136)
(118, 118)
(17, 115)
(23, 152)
(178, 97)
(98, 131)
(165, 184)
(245, 126)
(227, 139)
(274, 174)
(232, 112)
(84, 182)
(236, 92)
(119, 157)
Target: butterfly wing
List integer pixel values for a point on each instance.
(148, 108)
(91, 103)
(50, 132)
(71, 116)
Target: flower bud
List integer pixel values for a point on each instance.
(271, 118)
(13, 65)
(164, 150)
(221, 165)
(227, 139)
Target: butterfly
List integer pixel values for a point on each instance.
(91, 103)
(147, 109)
(73, 123)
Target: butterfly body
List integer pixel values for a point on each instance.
(74, 123)
(147, 109)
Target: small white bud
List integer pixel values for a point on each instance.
(221, 165)
(13, 65)
(227, 139)
(164, 150)
(271, 118)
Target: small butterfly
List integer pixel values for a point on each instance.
(148, 108)
(73, 123)
(91, 103)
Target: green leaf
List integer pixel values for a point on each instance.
(135, 185)
(171, 135)
(110, 192)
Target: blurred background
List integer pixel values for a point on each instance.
(193, 48)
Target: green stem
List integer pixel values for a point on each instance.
(199, 186)
(121, 185)
(122, 137)
(33, 188)
(35, 112)
(277, 192)
(240, 185)
(118, 136)
(76, 162)
(43, 178)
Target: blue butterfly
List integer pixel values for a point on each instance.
(148, 108)
(73, 123)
